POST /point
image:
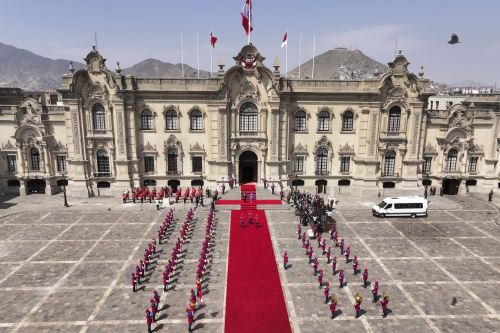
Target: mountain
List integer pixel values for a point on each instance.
(156, 68)
(23, 69)
(340, 64)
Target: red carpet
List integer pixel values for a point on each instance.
(254, 301)
(258, 202)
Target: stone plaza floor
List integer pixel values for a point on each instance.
(68, 270)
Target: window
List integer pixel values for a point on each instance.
(321, 161)
(394, 119)
(298, 164)
(11, 163)
(344, 163)
(348, 121)
(197, 164)
(248, 118)
(437, 105)
(61, 163)
(103, 163)
(299, 122)
(149, 164)
(389, 163)
(171, 121)
(98, 117)
(408, 205)
(426, 167)
(147, 120)
(196, 120)
(451, 160)
(324, 121)
(53, 99)
(172, 160)
(432, 105)
(35, 159)
(473, 164)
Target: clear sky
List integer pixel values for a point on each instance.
(131, 31)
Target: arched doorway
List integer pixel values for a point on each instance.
(321, 186)
(450, 186)
(36, 186)
(248, 167)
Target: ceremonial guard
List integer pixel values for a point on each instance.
(347, 253)
(374, 289)
(341, 278)
(190, 318)
(365, 277)
(355, 265)
(328, 254)
(334, 265)
(341, 245)
(299, 230)
(285, 260)
(154, 308)
(326, 291)
(384, 302)
(149, 320)
(320, 278)
(315, 265)
(134, 283)
(357, 305)
(333, 305)
(310, 253)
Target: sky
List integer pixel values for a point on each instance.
(131, 31)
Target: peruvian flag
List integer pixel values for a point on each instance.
(285, 40)
(246, 17)
(213, 40)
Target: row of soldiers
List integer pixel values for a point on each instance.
(149, 252)
(345, 251)
(196, 297)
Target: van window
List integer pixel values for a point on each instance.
(408, 205)
(383, 203)
(389, 206)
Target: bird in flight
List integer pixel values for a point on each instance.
(454, 39)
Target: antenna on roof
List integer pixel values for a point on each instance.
(95, 40)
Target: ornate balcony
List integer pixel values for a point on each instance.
(392, 135)
(102, 174)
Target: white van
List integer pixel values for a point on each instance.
(401, 206)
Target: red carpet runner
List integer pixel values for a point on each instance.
(254, 301)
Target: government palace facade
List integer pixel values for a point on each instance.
(104, 132)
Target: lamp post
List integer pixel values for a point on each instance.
(64, 182)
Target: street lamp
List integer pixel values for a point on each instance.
(64, 182)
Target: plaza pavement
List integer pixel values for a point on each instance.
(68, 269)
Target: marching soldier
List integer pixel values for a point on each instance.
(374, 288)
(357, 305)
(149, 320)
(333, 305)
(299, 230)
(134, 282)
(326, 291)
(320, 278)
(355, 265)
(347, 253)
(285, 260)
(365, 277)
(328, 254)
(341, 278)
(334, 265)
(384, 302)
(341, 245)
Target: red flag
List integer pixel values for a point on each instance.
(213, 40)
(246, 17)
(285, 40)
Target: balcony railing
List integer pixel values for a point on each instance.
(321, 172)
(390, 174)
(396, 135)
(102, 174)
(173, 172)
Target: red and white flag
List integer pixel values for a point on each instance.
(285, 40)
(246, 17)
(213, 40)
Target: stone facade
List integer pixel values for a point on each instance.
(108, 131)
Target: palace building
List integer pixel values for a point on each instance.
(104, 132)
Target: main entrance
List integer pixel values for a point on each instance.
(36, 186)
(248, 167)
(450, 186)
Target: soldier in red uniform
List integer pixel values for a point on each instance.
(285, 260)
(341, 245)
(190, 318)
(355, 265)
(357, 305)
(384, 302)
(310, 253)
(326, 291)
(374, 289)
(299, 230)
(320, 278)
(334, 265)
(149, 320)
(333, 305)
(336, 238)
(134, 283)
(323, 246)
(328, 254)
(154, 308)
(365, 277)
(341, 278)
(242, 222)
(347, 253)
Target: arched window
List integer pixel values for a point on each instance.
(299, 122)
(451, 160)
(324, 121)
(321, 161)
(248, 118)
(171, 120)
(394, 119)
(172, 157)
(98, 117)
(103, 163)
(196, 120)
(347, 121)
(35, 159)
(389, 163)
(147, 120)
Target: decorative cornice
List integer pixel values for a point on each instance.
(346, 150)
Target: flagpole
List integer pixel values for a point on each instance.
(211, 56)
(286, 55)
(300, 53)
(197, 56)
(314, 54)
(249, 20)
(95, 40)
(182, 56)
